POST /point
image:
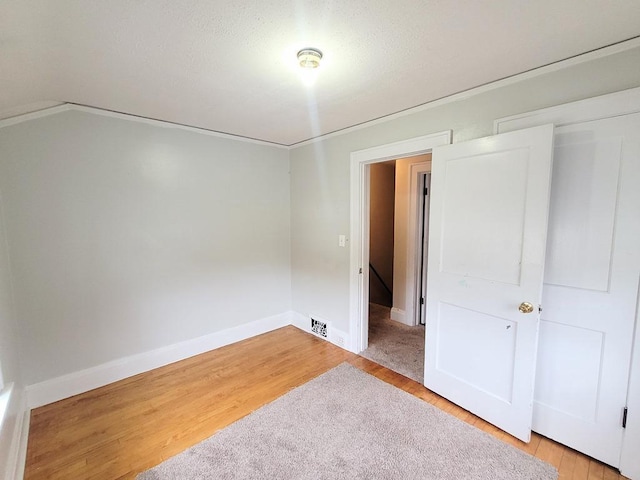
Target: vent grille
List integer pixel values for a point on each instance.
(319, 328)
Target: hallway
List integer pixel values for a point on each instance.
(394, 345)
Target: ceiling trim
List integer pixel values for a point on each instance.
(519, 77)
(27, 108)
(26, 117)
(576, 60)
(167, 124)
(132, 118)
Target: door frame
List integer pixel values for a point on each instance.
(616, 104)
(414, 237)
(359, 228)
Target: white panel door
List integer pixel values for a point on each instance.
(488, 226)
(591, 286)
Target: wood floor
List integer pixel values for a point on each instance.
(117, 431)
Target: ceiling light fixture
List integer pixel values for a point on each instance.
(309, 57)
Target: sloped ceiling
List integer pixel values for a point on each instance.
(230, 66)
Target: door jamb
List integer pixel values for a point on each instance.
(414, 235)
(359, 228)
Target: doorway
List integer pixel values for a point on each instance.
(360, 233)
(398, 208)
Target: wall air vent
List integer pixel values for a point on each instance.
(318, 327)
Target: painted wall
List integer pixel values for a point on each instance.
(381, 231)
(11, 396)
(9, 350)
(401, 228)
(126, 237)
(320, 171)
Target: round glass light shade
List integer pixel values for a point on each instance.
(309, 57)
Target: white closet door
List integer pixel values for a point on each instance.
(591, 286)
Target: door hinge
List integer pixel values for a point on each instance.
(421, 300)
(426, 191)
(624, 417)
(360, 272)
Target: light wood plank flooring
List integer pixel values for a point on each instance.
(117, 431)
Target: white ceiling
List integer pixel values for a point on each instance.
(229, 65)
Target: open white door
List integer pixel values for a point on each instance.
(488, 229)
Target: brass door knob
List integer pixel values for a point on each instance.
(525, 307)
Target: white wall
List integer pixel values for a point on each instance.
(401, 232)
(320, 171)
(126, 237)
(9, 350)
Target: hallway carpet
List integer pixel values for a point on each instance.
(394, 345)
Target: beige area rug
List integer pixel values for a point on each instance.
(396, 346)
(347, 424)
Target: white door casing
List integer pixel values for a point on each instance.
(359, 249)
(421, 266)
(416, 231)
(591, 280)
(489, 208)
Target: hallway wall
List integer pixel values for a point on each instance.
(381, 231)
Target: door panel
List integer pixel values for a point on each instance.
(488, 244)
(489, 209)
(462, 329)
(591, 286)
(581, 368)
(584, 195)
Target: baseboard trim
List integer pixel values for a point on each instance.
(22, 434)
(65, 386)
(338, 337)
(400, 316)
(14, 432)
(300, 321)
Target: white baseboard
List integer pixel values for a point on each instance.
(13, 435)
(400, 316)
(82, 381)
(22, 434)
(300, 321)
(337, 337)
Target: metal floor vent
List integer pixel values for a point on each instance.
(318, 327)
